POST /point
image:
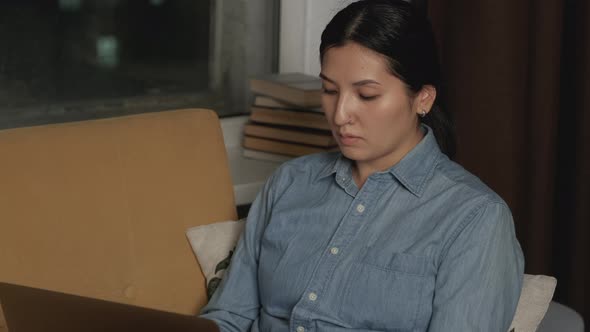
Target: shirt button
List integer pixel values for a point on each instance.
(312, 296)
(334, 250)
(300, 329)
(360, 208)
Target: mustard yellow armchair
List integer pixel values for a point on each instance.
(100, 208)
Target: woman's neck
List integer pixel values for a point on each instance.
(361, 170)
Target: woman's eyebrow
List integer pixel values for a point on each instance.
(365, 82)
(324, 77)
(359, 83)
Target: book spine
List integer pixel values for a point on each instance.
(289, 149)
(297, 97)
(324, 140)
(289, 118)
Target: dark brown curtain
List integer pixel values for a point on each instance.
(518, 83)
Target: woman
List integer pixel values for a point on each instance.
(389, 233)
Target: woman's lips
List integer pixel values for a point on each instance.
(347, 139)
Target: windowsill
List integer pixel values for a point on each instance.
(248, 175)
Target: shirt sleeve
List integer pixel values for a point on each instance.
(235, 304)
(480, 276)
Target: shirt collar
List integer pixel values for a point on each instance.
(416, 168)
(412, 171)
(341, 165)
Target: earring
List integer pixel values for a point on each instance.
(423, 113)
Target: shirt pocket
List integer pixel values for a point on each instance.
(387, 297)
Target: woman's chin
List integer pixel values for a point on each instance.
(352, 153)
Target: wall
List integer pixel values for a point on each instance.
(302, 23)
(245, 42)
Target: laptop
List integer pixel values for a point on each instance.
(29, 309)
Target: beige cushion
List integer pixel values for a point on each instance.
(213, 245)
(100, 208)
(536, 294)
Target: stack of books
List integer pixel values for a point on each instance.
(286, 119)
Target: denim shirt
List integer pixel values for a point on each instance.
(422, 246)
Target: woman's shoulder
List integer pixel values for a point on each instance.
(467, 201)
(458, 180)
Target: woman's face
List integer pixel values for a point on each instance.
(371, 114)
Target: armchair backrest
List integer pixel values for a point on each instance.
(100, 208)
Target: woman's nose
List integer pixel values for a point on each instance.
(341, 112)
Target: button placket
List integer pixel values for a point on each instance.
(344, 234)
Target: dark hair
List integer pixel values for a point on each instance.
(396, 30)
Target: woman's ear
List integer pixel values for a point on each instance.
(425, 99)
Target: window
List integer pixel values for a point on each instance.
(65, 60)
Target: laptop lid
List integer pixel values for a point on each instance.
(29, 309)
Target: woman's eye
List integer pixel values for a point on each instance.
(365, 97)
(328, 91)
